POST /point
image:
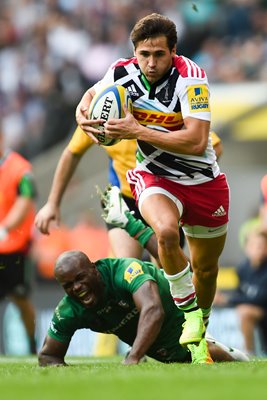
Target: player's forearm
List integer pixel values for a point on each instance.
(149, 326)
(64, 172)
(182, 142)
(191, 139)
(17, 213)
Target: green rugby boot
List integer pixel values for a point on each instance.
(200, 353)
(193, 328)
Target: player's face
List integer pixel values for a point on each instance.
(83, 283)
(154, 57)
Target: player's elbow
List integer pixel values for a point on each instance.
(199, 144)
(199, 148)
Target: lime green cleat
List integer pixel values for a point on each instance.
(200, 353)
(193, 328)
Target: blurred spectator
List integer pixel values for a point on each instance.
(50, 52)
(87, 236)
(250, 298)
(259, 217)
(17, 191)
(46, 249)
(90, 237)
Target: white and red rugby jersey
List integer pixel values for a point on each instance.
(182, 92)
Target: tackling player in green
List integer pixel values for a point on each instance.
(126, 297)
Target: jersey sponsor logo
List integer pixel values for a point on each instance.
(198, 98)
(168, 121)
(133, 271)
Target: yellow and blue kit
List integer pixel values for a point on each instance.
(122, 156)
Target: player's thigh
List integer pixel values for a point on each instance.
(160, 212)
(123, 245)
(205, 252)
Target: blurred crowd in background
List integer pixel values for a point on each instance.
(52, 50)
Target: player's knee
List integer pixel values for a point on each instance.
(168, 237)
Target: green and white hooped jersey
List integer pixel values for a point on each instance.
(182, 92)
(117, 313)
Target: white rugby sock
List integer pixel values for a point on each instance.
(237, 355)
(182, 289)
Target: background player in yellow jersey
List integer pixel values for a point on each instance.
(121, 158)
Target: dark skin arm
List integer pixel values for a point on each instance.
(52, 353)
(148, 303)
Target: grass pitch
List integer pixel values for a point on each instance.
(107, 379)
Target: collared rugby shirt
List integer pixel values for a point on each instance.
(182, 92)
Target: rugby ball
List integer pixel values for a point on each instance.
(107, 104)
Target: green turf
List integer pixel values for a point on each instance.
(107, 379)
